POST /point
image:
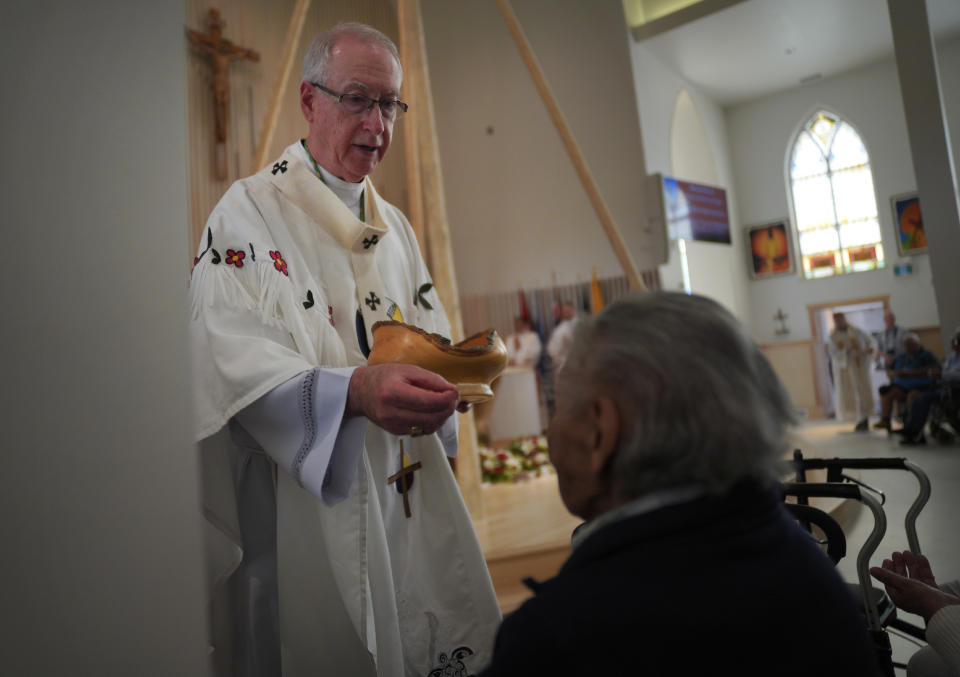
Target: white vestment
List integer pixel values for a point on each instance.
(285, 278)
(851, 355)
(524, 349)
(560, 342)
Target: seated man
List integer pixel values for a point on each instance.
(948, 384)
(669, 426)
(890, 342)
(909, 376)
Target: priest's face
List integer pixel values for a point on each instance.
(349, 145)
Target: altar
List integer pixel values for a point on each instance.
(515, 411)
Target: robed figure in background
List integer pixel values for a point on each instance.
(851, 355)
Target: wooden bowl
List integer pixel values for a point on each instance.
(471, 365)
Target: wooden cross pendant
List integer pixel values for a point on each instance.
(404, 479)
(220, 52)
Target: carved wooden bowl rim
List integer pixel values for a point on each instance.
(443, 343)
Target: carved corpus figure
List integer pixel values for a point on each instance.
(221, 52)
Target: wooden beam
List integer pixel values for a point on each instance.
(294, 30)
(439, 255)
(573, 149)
(410, 57)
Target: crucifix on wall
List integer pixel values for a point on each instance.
(221, 53)
(781, 317)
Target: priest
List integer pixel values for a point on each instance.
(851, 353)
(338, 540)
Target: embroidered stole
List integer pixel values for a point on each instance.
(306, 190)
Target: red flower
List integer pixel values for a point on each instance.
(236, 258)
(279, 263)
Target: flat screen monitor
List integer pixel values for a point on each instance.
(695, 211)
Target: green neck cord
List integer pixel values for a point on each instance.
(316, 170)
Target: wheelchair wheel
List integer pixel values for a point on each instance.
(943, 436)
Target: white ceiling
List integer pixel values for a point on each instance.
(761, 46)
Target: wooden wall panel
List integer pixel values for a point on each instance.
(930, 339)
(793, 363)
(261, 25)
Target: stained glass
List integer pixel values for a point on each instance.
(822, 126)
(808, 159)
(853, 194)
(847, 149)
(859, 233)
(814, 202)
(835, 206)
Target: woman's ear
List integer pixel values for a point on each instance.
(605, 423)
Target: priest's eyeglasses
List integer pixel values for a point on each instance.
(356, 103)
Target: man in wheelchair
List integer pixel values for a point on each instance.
(909, 377)
(940, 404)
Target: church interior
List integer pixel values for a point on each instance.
(551, 142)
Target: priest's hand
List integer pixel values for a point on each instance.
(403, 399)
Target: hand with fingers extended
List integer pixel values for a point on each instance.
(401, 398)
(909, 582)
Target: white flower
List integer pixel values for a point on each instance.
(526, 447)
(489, 465)
(541, 458)
(542, 442)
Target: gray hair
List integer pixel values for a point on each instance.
(318, 54)
(701, 403)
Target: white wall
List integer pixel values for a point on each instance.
(101, 568)
(519, 216)
(760, 133)
(716, 270)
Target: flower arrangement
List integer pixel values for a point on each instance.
(522, 459)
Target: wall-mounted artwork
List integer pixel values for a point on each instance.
(771, 249)
(908, 224)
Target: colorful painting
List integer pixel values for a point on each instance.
(771, 252)
(908, 224)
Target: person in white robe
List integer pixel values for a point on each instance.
(523, 346)
(851, 353)
(562, 337)
(338, 541)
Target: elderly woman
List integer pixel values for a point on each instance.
(669, 426)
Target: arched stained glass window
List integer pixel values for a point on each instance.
(834, 205)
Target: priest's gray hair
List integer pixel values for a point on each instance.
(698, 401)
(315, 60)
